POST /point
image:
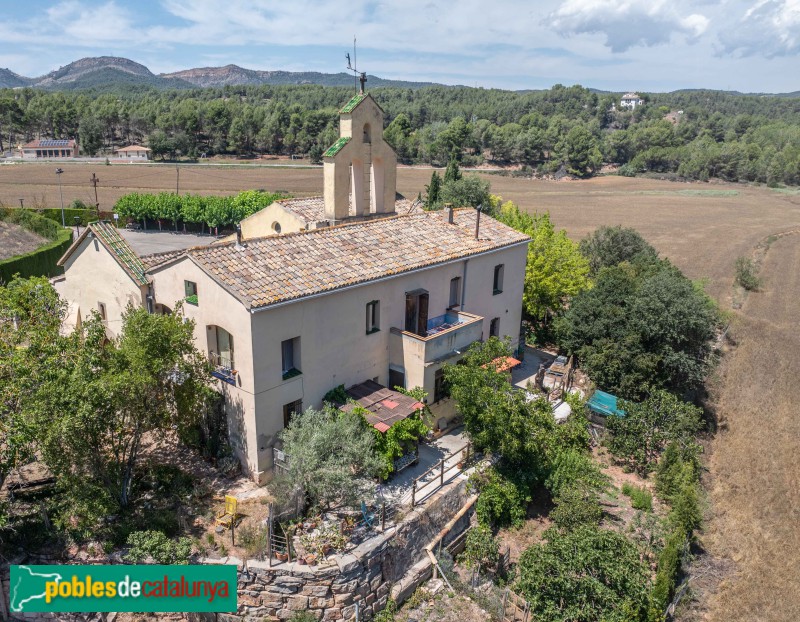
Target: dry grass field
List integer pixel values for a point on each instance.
(754, 465)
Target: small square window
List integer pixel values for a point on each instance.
(190, 290)
(497, 285)
(373, 316)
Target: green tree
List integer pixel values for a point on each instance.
(90, 135)
(609, 246)
(469, 191)
(584, 575)
(433, 192)
(580, 152)
(332, 457)
(452, 172)
(641, 435)
(30, 317)
(555, 270)
(641, 325)
(100, 399)
(482, 548)
(496, 418)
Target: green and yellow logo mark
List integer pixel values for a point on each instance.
(55, 589)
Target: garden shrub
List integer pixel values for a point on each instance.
(482, 548)
(502, 502)
(576, 505)
(157, 546)
(253, 539)
(641, 498)
(746, 273)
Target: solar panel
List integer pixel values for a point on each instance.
(53, 143)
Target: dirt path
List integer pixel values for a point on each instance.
(754, 482)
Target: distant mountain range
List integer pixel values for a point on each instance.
(108, 72)
(111, 71)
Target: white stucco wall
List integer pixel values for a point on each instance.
(216, 307)
(92, 276)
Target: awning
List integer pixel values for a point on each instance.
(386, 406)
(504, 363)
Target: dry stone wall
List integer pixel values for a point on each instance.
(390, 564)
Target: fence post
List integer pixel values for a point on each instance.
(383, 516)
(441, 473)
(413, 493)
(269, 536)
(505, 597)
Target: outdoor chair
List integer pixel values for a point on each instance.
(228, 515)
(369, 517)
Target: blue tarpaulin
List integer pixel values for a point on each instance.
(604, 404)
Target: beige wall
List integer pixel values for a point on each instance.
(261, 224)
(92, 276)
(334, 346)
(216, 307)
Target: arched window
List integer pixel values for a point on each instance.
(367, 137)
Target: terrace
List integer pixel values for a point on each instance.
(444, 336)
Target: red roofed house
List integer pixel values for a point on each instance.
(133, 152)
(50, 149)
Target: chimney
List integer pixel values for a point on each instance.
(478, 222)
(239, 235)
(449, 208)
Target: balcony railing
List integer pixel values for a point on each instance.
(446, 334)
(222, 367)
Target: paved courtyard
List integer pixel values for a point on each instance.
(398, 488)
(149, 242)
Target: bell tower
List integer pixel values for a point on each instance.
(360, 167)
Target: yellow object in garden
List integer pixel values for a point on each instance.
(228, 515)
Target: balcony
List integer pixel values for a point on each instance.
(446, 336)
(222, 368)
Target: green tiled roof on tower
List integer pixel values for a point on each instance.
(350, 106)
(336, 147)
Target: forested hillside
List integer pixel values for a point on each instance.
(694, 134)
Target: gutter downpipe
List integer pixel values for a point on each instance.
(440, 536)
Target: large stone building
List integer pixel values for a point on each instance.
(315, 293)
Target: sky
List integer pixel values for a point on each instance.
(616, 45)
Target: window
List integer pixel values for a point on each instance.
(397, 379)
(291, 409)
(497, 286)
(373, 316)
(440, 388)
(101, 309)
(455, 292)
(190, 290)
(417, 312)
(494, 327)
(290, 358)
(276, 227)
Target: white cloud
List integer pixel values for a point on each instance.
(768, 28)
(627, 23)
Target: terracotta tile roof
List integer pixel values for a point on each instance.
(109, 237)
(312, 209)
(133, 148)
(155, 259)
(286, 267)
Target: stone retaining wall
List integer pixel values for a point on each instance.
(392, 564)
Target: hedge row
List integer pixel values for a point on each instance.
(189, 208)
(54, 214)
(41, 262)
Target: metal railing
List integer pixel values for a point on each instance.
(440, 473)
(223, 367)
